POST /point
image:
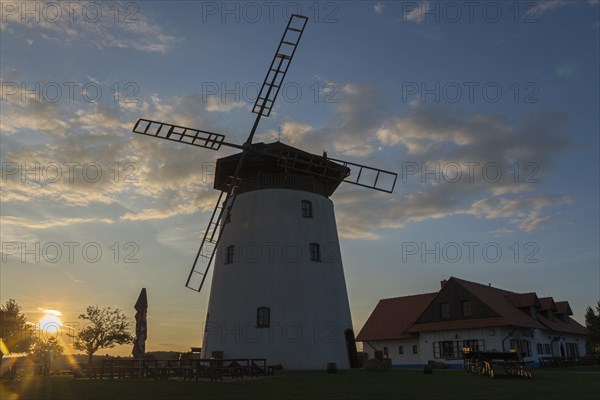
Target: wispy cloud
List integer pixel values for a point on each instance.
(130, 29)
(35, 224)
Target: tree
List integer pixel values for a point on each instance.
(16, 333)
(104, 329)
(43, 351)
(592, 323)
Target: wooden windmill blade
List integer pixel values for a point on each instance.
(263, 105)
(182, 134)
(211, 239)
(369, 177)
(279, 66)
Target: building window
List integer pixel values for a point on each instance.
(415, 349)
(547, 348)
(466, 308)
(385, 351)
(263, 317)
(230, 254)
(447, 349)
(315, 252)
(522, 346)
(572, 350)
(540, 348)
(307, 209)
(444, 310)
(400, 349)
(473, 345)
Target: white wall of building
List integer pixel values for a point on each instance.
(308, 301)
(493, 339)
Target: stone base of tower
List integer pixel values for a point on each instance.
(278, 290)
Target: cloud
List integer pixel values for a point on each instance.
(35, 224)
(216, 104)
(56, 313)
(378, 8)
(500, 162)
(99, 28)
(25, 108)
(524, 212)
(176, 179)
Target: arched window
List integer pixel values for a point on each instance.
(230, 254)
(307, 209)
(263, 317)
(315, 252)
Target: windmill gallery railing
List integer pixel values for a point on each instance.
(281, 181)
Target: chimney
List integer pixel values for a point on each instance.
(443, 283)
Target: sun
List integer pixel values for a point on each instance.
(50, 323)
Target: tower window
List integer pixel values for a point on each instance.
(315, 252)
(307, 209)
(230, 254)
(263, 317)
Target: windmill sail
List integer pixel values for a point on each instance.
(176, 133)
(279, 66)
(210, 241)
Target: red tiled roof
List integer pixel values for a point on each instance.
(392, 318)
(560, 326)
(547, 303)
(497, 300)
(459, 324)
(396, 318)
(522, 300)
(563, 307)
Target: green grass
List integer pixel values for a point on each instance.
(572, 383)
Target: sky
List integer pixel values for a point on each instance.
(487, 111)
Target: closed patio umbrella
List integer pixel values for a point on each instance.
(141, 325)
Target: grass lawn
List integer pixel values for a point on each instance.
(571, 383)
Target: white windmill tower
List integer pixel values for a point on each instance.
(278, 289)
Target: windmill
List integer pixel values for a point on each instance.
(278, 289)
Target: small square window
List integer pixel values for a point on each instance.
(230, 254)
(385, 351)
(315, 252)
(415, 349)
(307, 209)
(400, 349)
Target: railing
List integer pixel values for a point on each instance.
(213, 369)
(282, 181)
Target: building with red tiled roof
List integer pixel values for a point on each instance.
(413, 330)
